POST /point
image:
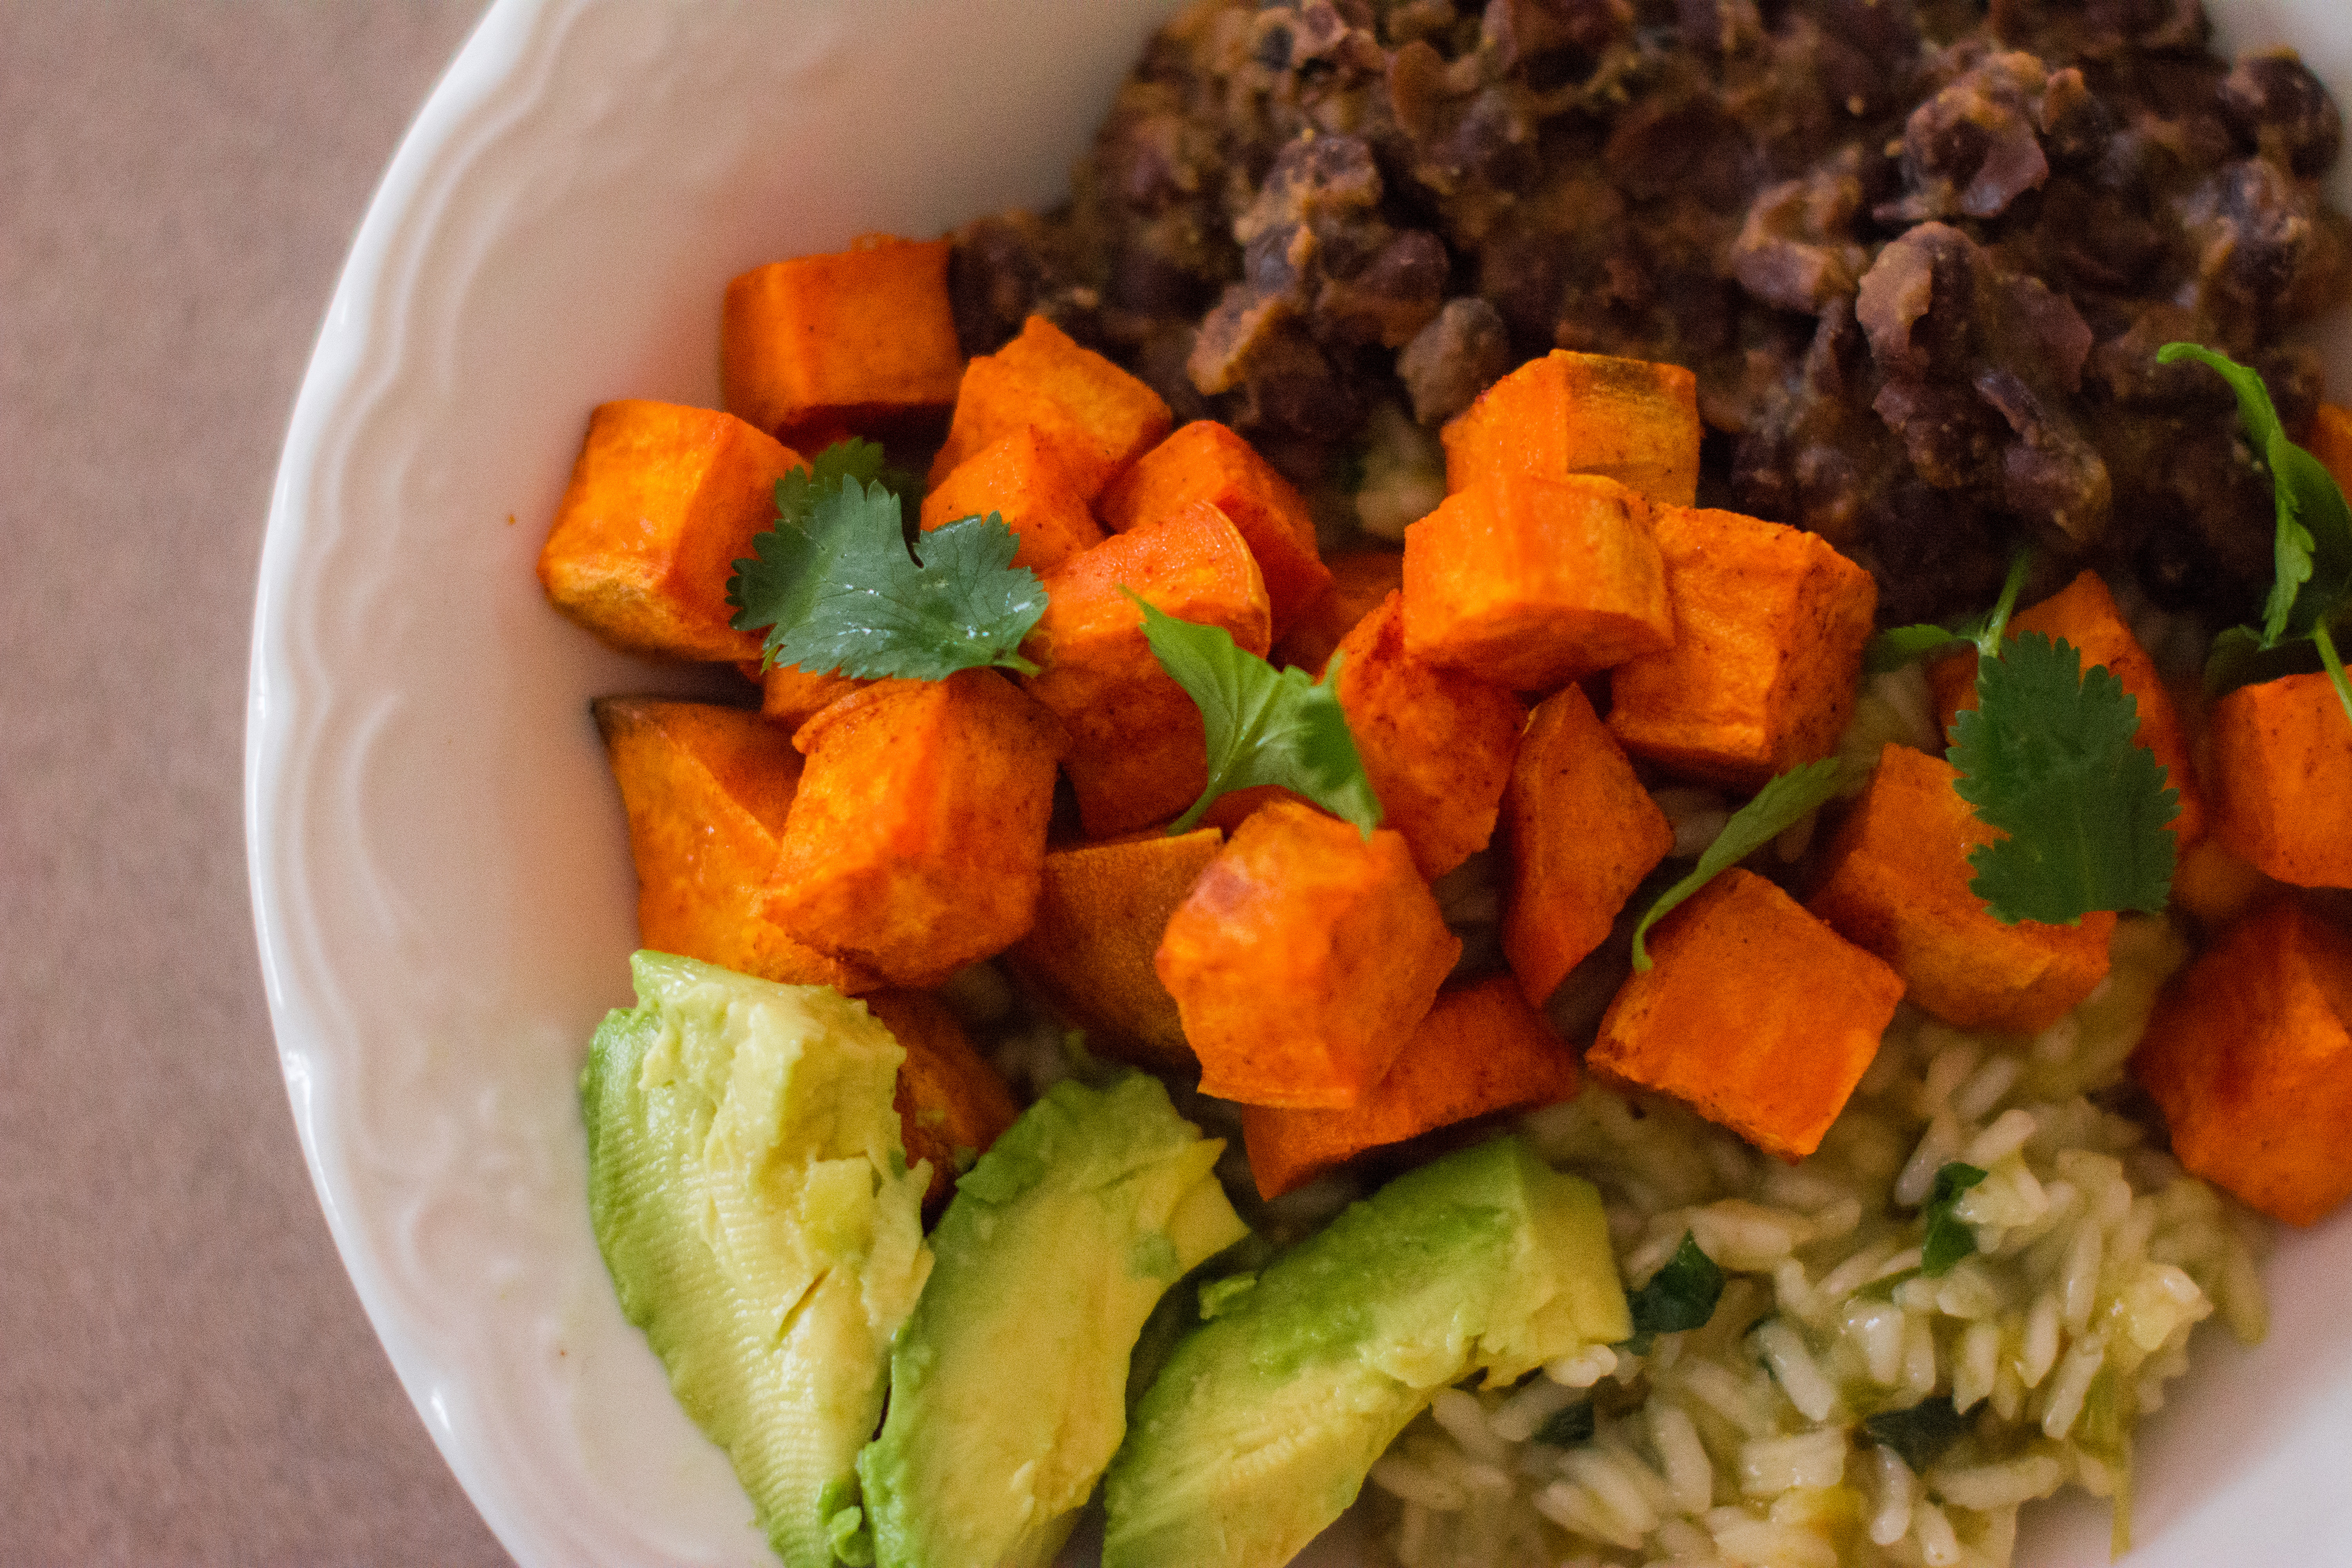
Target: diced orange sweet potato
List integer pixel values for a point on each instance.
(1019, 478)
(2214, 888)
(1138, 755)
(1303, 959)
(2250, 1055)
(820, 346)
(1534, 583)
(1770, 624)
(917, 840)
(1206, 461)
(790, 695)
(1582, 833)
(1635, 421)
(2084, 614)
(2281, 776)
(1360, 579)
(1436, 744)
(1753, 1013)
(1100, 915)
(2331, 442)
(662, 501)
(947, 1099)
(1481, 1050)
(1098, 417)
(708, 790)
(1897, 884)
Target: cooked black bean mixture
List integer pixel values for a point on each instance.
(1921, 253)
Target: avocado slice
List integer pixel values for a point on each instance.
(1262, 1427)
(1008, 1388)
(753, 1201)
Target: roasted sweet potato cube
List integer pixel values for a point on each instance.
(2214, 888)
(1635, 421)
(1137, 752)
(1897, 883)
(790, 695)
(2331, 442)
(1534, 583)
(2281, 776)
(662, 501)
(1582, 833)
(820, 346)
(2084, 614)
(1204, 461)
(1480, 1049)
(1360, 579)
(1753, 1014)
(915, 843)
(1436, 742)
(951, 1104)
(1303, 959)
(1019, 479)
(1770, 624)
(1100, 915)
(1097, 417)
(708, 790)
(2249, 1055)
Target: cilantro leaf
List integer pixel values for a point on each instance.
(1680, 1295)
(1778, 808)
(1566, 1426)
(839, 587)
(1890, 650)
(1948, 1238)
(1918, 1433)
(2051, 757)
(1265, 726)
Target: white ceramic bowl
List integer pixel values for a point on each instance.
(439, 862)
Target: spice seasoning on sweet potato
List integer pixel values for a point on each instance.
(1753, 1013)
(1096, 417)
(2250, 1055)
(2282, 779)
(1019, 478)
(820, 346)
(1206, 461)
(1897, 884)
(790, 695)
(2214, 887)
(1582, 834)
(1480, 1049)
(915, 844)
(1436, 744)
(1137, 752)
(1533, 583)
(1632, 420)
(663, 501)
(1303, 959)
(1360, 579)
(708, 790)
(951, 1104)
(1768, 628)
(1101, 910)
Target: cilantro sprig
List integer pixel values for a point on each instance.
(839, 585)
(1779, 805)
(1265, 726)
(1947, 1238)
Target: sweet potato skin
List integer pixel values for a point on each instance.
(708, 790)
(1582, 834)
(1754, 1014)
(2250, 1055)
(1480, 1049)
(1436, 744)
(916, 842)
(819, 346)
(2281, 774)
(1768, 628)
(1632, 420)
(1097, 416)
(663, 501)
(1534, 583)
(1302, 960)
(1897, 885)
(1019, 478)
(948, 1098)
(1360, 579)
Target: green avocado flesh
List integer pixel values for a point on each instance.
(752, 1198)
(1262, 1427)
(1008, 1388)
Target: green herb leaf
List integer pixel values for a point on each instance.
(1265, 726)
(1568, 1427)
(2051, 757)
(1777, 806)
(1919, 1433)
(1948, 1238)
(1681, 1295)
(1891, 650)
